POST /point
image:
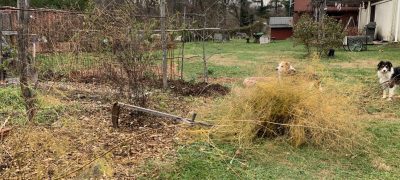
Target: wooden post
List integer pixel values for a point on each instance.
(2, 70)
(164, 45)
(116, 110)
(23, 40)
(204, 50)
(194, 115)
(13, 40)
(182, 53)
(183, 41)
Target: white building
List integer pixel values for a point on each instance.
(386, 15)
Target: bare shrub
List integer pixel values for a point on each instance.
(126, 38)
(292, 110)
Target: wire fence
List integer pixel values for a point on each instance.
(66, 45)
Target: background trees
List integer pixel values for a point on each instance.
(222, 13)
(58, 4)
(318, 36)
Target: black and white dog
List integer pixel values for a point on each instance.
(389, 78)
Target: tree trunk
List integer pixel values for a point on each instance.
(226, 14)
(23, 40)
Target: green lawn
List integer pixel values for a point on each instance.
(277, 160)
(236, 59)
(240, 59)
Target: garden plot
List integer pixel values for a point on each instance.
(75, 122)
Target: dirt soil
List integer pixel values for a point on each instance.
(82, 144)
(179, 87)
(201, 89)
(197, 89)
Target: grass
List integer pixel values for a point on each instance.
(62, 64)
(11, 104)
(276, 159)
(245, 57)
(249, 57)
(50, 109)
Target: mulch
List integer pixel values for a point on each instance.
(197, 89)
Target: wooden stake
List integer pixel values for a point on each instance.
(116, 110)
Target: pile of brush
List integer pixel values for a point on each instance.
(292, 110)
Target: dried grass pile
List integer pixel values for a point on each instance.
(292, 110)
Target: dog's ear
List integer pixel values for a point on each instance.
(380, 64)
(389, 64)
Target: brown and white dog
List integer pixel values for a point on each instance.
(284, 68)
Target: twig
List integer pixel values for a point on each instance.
(4, 124)
(4, 132)
(233, 158)
(204, 89)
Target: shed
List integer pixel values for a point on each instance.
(281, 27)
(386, 15)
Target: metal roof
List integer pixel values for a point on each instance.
(281, 22)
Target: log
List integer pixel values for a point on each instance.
(117, 109)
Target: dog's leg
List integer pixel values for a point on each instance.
(391, 92)
(385, 93)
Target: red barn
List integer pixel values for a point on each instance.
(281, 27)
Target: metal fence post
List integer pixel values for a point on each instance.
(164, 45)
